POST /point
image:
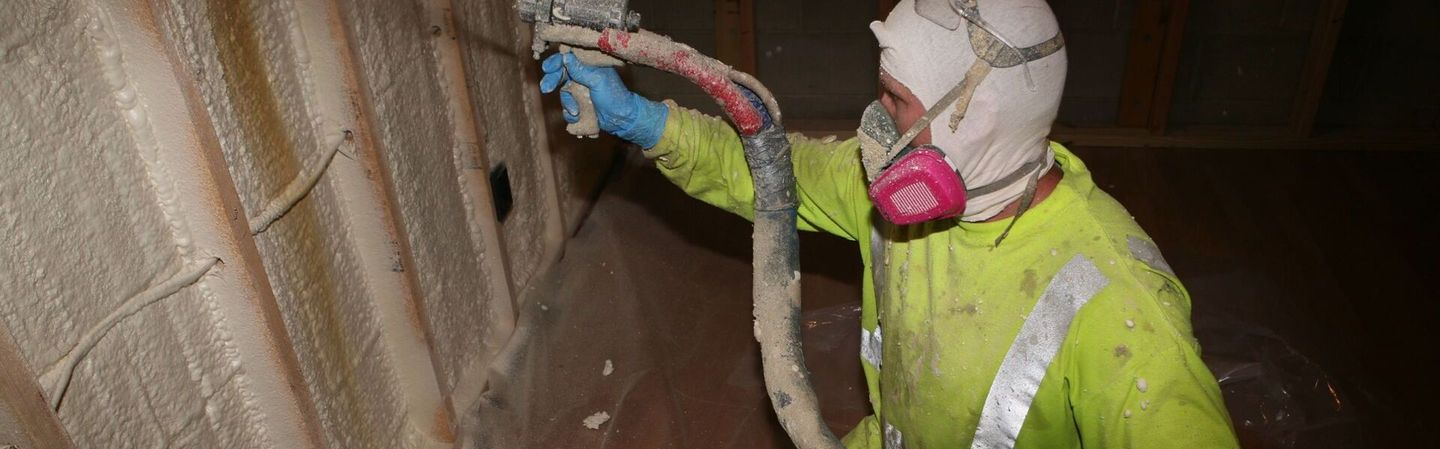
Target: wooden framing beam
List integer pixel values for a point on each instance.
(735, 33)
(1323, 39)
(24, 403)
(1251, 138)
(1137, 84)
(883, 7)
(1148, 84)
(1199, 137)
(1177, 11)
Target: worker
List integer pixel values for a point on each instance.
(1008, 300)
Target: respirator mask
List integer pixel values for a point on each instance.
(915, 184)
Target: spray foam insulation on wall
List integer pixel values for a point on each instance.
(146, 136)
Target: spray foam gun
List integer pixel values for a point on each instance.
(583, 26)
(589, 14)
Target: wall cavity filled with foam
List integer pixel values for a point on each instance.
(268, 223)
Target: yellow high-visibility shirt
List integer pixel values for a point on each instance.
(1126, 372)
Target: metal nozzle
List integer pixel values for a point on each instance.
(593, 14)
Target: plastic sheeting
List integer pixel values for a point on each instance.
(657, 284)
(1277, 397)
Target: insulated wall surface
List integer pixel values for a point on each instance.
(427, 143)
(84, 228)
(313, 176)
(498, 60)
(99, 202)
(256, 81)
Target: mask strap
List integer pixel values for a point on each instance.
(1026, 200)
(964, 90)
(1024, 170)
(980, 22)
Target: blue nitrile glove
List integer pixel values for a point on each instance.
(621, 112)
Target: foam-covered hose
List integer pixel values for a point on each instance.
(777, 290)
(776, 244)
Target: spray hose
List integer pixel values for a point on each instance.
(776, 244)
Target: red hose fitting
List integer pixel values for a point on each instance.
(711, 77)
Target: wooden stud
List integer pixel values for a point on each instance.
(883, 8)
(24, 402)
(1198, 137)
(735, 33)
(1137, 86)
(1148, 83)
(1317, 66)
(1174, 24)
(1250, 138)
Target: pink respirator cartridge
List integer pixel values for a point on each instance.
(920, 186)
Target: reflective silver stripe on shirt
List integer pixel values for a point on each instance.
(1029, 356)
(871, 345)
(1149, 253)
(877, 260)
(893, 438)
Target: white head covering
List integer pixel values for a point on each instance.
(1007, 123)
